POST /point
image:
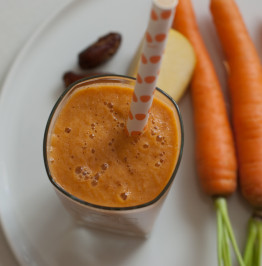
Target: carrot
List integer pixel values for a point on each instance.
(245, 85)
(215, 151)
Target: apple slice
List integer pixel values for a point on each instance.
(177, 65)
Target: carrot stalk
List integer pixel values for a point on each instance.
(227, 240)
(259, 228)
(215, 150)
(221, 206)
(252, 254)
(252, 234)
(226, 248)
(219, 237)
(256, 255)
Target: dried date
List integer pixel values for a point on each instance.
(100, 51)
(70, 77)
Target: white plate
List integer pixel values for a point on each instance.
(37, 227)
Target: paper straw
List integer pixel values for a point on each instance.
(161, 17)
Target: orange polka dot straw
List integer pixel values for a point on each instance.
(161, 17)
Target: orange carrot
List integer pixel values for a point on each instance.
(245, 84)
(215, 150)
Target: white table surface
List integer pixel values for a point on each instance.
(18, 21)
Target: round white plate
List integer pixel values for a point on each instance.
(39, 230)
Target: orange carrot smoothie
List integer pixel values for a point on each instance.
(91, 157)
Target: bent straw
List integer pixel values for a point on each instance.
(161, 17)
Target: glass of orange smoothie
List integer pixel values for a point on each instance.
(105, 178)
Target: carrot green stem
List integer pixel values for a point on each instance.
(256, 255)
(253, 249)
(226, 247)
(252, 234)
(221, 206)
(222, 242)
(259, 229)
(219, 237)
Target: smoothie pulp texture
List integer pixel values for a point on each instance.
(91, 157)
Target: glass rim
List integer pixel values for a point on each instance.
(96, 206)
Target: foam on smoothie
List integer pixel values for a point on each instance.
(92, 157)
